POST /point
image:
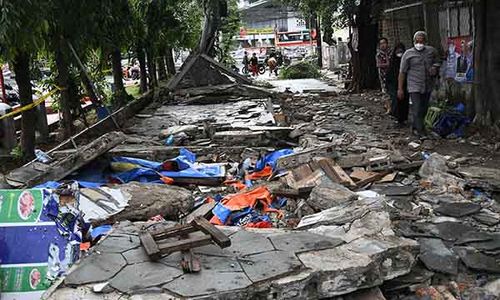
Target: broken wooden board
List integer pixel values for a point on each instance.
(36, 173)
(335, 172)
(157, 241)
(373, 178)
(361, 174)
(203, 211)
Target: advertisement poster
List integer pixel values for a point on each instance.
(32, 249)
(460, 59)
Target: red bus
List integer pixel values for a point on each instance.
(295, 38)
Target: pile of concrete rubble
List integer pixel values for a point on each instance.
(339, 210)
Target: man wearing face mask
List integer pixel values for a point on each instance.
(419, 68)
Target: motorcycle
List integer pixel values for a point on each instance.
(261, 69)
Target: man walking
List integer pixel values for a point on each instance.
(254, 63)
(419, 67)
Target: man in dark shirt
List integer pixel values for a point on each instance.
(254, 63)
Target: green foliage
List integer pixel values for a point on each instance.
(17, 152)
(303, 69)
(230, 27)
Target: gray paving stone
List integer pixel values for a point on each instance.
(207, 282)
(437, 257)
(136, 255)
(303, 241)
(96, 268)
(458, 209)
(140, 276)
(245, 243)
(268, 265)
(477, 261)
(119, 243)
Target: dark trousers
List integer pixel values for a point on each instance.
(399, 107)
(419, 106)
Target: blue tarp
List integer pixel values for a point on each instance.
(271, 159)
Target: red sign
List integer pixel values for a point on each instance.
(3, 95)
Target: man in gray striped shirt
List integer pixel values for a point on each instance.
(419, 67)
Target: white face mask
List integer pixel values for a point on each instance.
(419, 46)
(399, 54)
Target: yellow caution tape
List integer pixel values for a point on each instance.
(31, 105)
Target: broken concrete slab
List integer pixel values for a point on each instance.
(137, 255)
(190, 130)
(137, 277)
(96, 268)
(329, 194)
(458, 209)
(118, 243)
(297, 242)
(488, 245)
(418, 275)
(245, 243)
(395, 255)
(487, 217)
(394, 190)
(269, 265)
(291, 161)
(208, 282)
(477, 261)
(437, 257)
(491, 176)
(343, 271)
(148, 200)
(342, 214)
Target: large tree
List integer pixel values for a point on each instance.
(362, 17)
(21, 28)
(487, 63)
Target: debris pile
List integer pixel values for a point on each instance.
(298, 197)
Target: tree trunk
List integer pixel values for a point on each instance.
(21, 66)
(62, 66)
(42, 123)
(214, 10)
(365, 74)
(119, 93)
(162, 71)
(142, 64)
(319, 48)
(153, 80)
(169, 57)
(487, 63)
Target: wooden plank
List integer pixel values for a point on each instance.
(180, 245)
(159, 234)
(190, 263)
(203, 211)
(218, 236)
(150, 245)
(334, 172)
(301, 172)
(360, 174)
(373, 178)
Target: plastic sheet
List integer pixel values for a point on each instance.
(271, 159)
